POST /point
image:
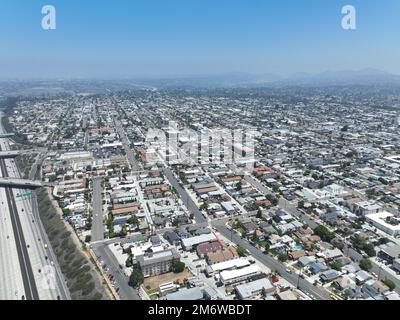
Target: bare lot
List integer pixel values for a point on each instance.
(154, 282)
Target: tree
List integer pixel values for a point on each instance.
(241, 251)
(66, 212)
(177, 266)
(369, 249)
(390, 284)
(324, 233)
(88, 238)
(133, 220)
(336, 266)
(383, 241)
(361, 244)
(272, 199)
(365, 264)
(136, 278)
(300, 204)
(282, 257)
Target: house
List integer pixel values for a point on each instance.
(296, 254)
(330, 254)
(204, 248)
(228, 207)
(374, 288)
(362, 277)
(172, 237)
(344, 282)
(317, 267)
(249, 227)
(329, 275)
(306, 260)
(155, 240)
(343, 261)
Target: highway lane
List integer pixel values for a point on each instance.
(318, 292)
(31, 292)
(48, 274)
(45, 272)
(187, 200)
(12, 285)
(97, 206)
(52, 259)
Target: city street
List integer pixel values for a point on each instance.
(187, 200)
(271, 263)
(97, 206)
(107, 258)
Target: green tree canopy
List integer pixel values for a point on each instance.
(177, 266)
(365, 264)
(390, 284)
(324, 233)
(136, 278)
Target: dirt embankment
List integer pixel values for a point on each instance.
(83, 280)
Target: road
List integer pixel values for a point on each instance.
(97, 206)
(104, 254)
(135, 166)
(376, 267)
(29, 283)
(318, 292)
(267, 260)
(38, 162)
(283, 203)
(30, 270)
(187, 200)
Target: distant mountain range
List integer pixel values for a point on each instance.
(364, 77)
(327, 78)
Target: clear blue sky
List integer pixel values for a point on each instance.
(112, 38)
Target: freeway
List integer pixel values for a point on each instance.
(318, 292)
(97, 206)
(30, 289)
(30, 271)
(189, 203)
(18, 182)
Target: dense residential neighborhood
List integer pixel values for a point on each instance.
(304, 204)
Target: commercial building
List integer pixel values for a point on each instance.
(192, 242)
(386, 222)
(233, 276)
(255, 288)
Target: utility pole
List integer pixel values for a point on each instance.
(379, 271)
(298, 278)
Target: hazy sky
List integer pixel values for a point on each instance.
(112, 38)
